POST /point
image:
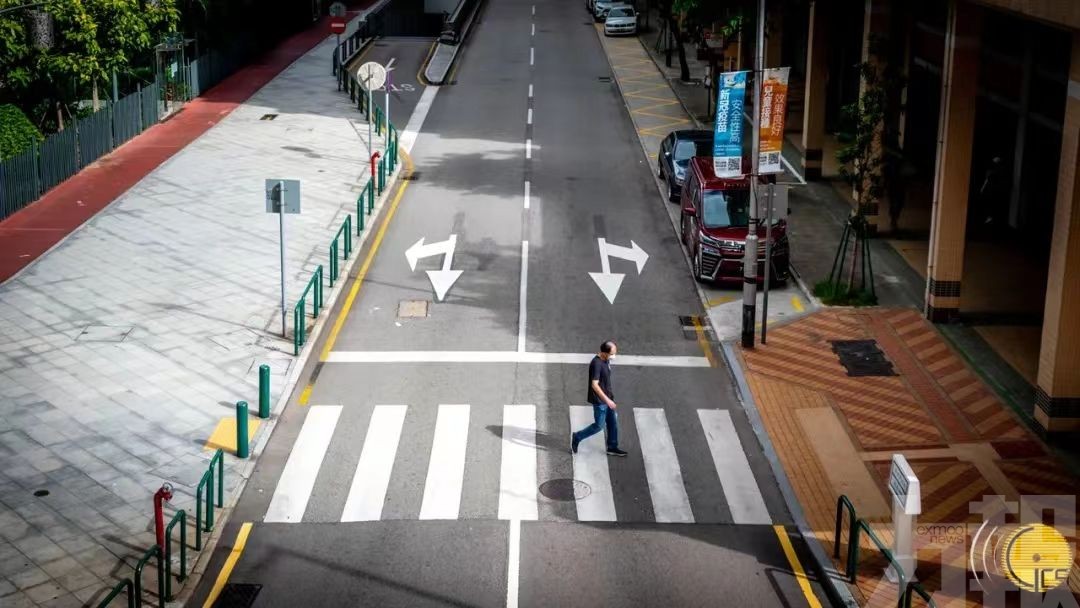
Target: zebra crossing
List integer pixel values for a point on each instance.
(518, 497)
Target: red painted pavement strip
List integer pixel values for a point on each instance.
(30, 232)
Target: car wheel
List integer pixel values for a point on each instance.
(697, 267)
(659, 170)
(670, 191)
(682, 226)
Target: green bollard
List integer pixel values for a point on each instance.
(264, 391)
(241, 429)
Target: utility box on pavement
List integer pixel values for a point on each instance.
(907, 503)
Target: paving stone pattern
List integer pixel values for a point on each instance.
(122, 348)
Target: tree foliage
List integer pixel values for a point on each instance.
(16, 132)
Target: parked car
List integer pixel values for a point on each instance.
(715, 213)
(675, 153)
(601, 7)
(620, 21)
(589, 6)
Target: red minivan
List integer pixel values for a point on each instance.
(714, 226)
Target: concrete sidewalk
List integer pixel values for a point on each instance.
(127, 345)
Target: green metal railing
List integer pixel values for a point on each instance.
(378, 120)
(207, 482)
(154, 551)
(315, 288)
(392, 146)
(361, 203)
(857, 526)
(345, 233)
(124, 586)
(916, 588)
(179, 517)
(381, 175)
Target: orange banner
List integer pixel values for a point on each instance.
(774, 92)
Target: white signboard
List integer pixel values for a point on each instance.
(371, 76)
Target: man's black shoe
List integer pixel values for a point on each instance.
(573, 444)
(615, 452)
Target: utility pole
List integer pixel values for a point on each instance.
(750, 253)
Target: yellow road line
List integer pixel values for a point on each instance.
(305, 395)
(796, 567)
(796, 303)
(355, 289)
(230, 562)
(702, 342)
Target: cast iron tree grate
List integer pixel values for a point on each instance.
(862, 358)
(237, 595)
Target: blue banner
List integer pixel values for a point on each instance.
(727, 138)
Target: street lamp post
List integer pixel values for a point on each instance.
(750, 253)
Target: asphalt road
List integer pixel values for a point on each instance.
(431, 464)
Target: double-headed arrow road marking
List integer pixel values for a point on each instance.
(609, 282)
(441, 280)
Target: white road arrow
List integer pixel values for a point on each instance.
(441, 280)
(610, 282)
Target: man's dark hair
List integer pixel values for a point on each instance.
(607, 346)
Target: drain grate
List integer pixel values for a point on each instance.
(862, 358)
(412, 177)
(565, 489)
(690, 329)
(268, 117)
(238, 595)
(604, 78)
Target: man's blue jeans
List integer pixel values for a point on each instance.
(602, 416)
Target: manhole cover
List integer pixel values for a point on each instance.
(104, 333)
(412, 309)
(565, 489)
(268, 117)
(412, 177)
(237, 595)
(41, 493)
(862, 358)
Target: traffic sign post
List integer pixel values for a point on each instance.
(371, 76)
(282, 196)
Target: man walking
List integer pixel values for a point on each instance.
(602, 399)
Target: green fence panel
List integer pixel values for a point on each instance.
(19, 183)
(95, 136)
(126, 118)
(151, 105)
(124, 586)
(59, 158)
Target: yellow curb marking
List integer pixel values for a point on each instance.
(306, 394)
(355, 289)
(224, 435)
(796, 303)
(796, 567)
(230, 563)
(720, 300)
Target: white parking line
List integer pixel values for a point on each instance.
(524, 286)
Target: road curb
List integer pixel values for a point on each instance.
(458, 49)
(264, 433)
(836, 589)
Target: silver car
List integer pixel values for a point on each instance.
(600, 8)
(621, 20)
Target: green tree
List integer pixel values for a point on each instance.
(16, 132)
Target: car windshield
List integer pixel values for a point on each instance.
(725, 208)
(685, 149)
(621, 12)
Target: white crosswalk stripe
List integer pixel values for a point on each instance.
(742, 492)
(446, 471)
(591, 467)
(462, 455)
(298, 477)
(368, 491)
(517, 478)
(670, 502)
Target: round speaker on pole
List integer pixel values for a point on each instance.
(41, 30)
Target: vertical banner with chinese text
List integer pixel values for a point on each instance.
(727, 136)
(774, 92)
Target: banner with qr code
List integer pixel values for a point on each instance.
(774, 92)
(727, 135)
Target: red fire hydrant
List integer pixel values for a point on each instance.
(162, 495)
(374, 157)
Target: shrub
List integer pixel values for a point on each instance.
(16, 131)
